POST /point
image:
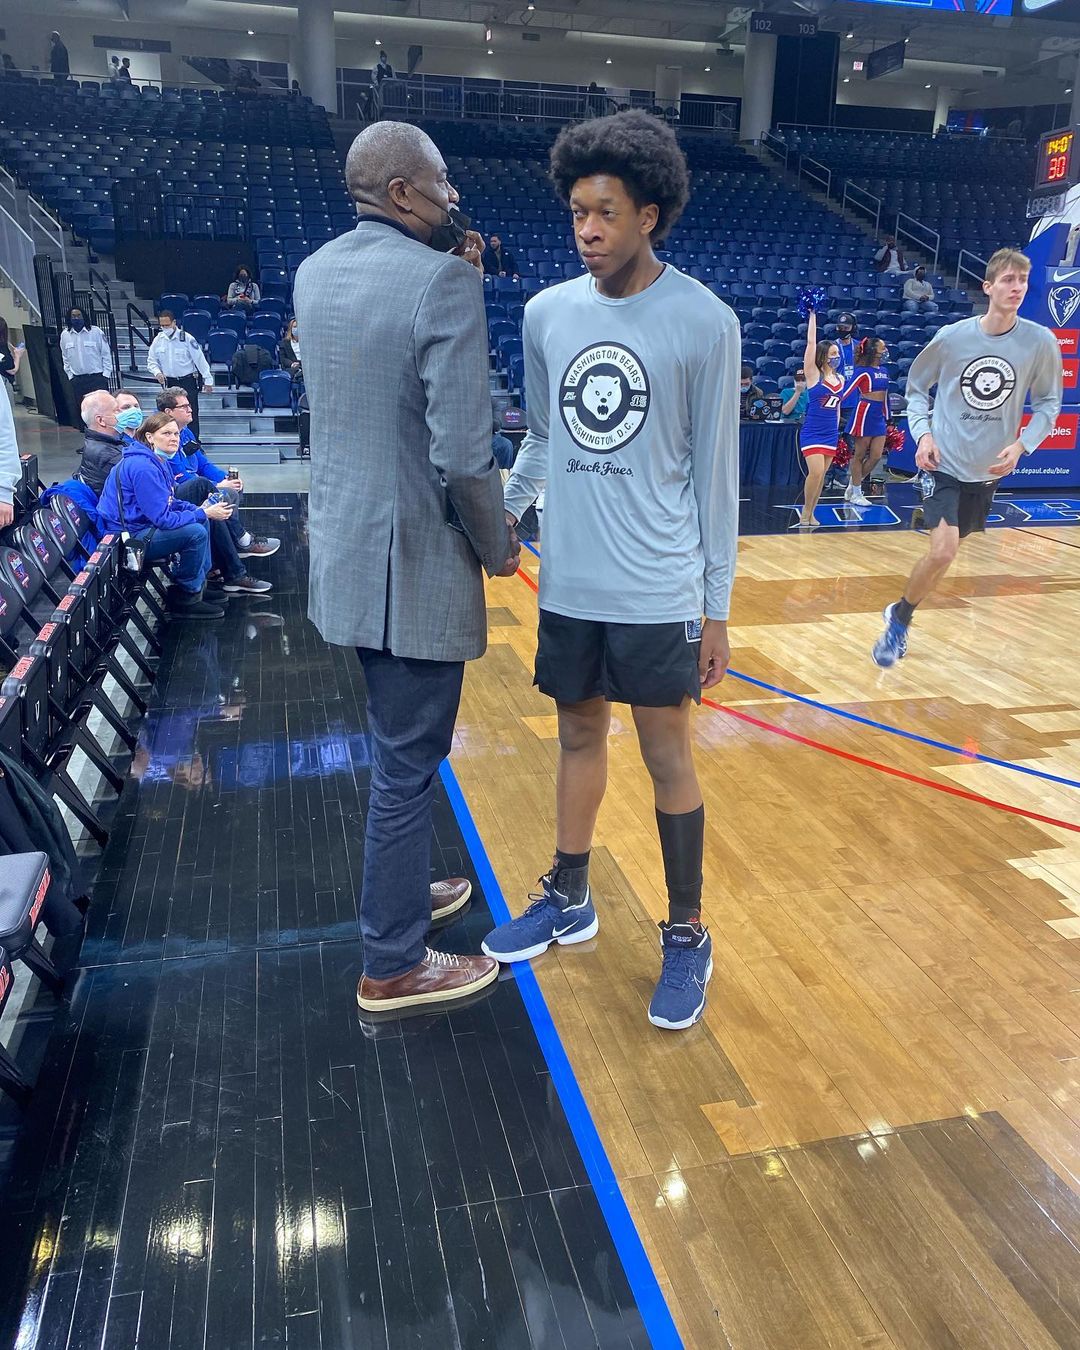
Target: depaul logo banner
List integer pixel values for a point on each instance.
(1053, 299)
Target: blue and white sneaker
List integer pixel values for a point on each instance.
(891, 646)
(544, 922)
(679, 1000)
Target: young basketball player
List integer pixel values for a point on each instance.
(821, 362)
(632, 375)
(984, 369)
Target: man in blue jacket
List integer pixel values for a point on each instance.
(196, 476)
(149, 509)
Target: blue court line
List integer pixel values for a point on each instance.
(535, 551)
(897, 731)
(644, 1285)
(907, 735)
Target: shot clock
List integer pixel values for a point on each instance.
(1056, 171)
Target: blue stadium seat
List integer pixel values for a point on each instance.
(274, 389)
(197, 323)
(221, 344)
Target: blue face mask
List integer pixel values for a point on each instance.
(835, 362)
(129, 421)
(78, 324)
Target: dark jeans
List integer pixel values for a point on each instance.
(412, 708)
(81, 385)
(224, 534)
(191, 544)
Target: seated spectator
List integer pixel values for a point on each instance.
(103, 444)
(748, 392)
(888, 258)
(919, 294)
(195, 477)
(499, 261)
(289, 351)
(243, 293)
(502, 450)
(794, 407)
(138, 498)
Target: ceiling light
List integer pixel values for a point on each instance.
(251, 32)
(608, 61)
(378, 42)
(849, 36)
(847, 79)
(707, 69)
(490, 52)
(927, 86)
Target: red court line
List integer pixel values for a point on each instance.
(893, 773)
(871, 763)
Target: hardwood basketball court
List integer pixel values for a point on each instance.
(872, 1137)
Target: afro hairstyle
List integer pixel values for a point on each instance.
(633, 146)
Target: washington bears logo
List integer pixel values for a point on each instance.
(604, 398)
(987, 382)
(1063, 302)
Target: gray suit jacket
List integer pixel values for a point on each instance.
(396, 370)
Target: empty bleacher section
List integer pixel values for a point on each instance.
(970, 190)
(69, 145)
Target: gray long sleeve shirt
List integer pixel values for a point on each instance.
(634, 426)
(10, 463)
(982, 383)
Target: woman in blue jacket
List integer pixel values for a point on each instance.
(150, 511)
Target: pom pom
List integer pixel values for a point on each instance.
(814, 298)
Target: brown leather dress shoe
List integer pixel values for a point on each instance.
(448, 897)
(440, 977)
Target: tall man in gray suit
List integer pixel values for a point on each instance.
(406, 515)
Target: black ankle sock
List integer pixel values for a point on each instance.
(571, 861)
(570, 874)
(682, 842)
(903, 611)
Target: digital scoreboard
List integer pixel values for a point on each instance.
(1057, 167)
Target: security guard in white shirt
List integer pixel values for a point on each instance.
(87, 359)
(175, 358)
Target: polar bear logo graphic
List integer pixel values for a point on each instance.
(602, 395)
(987, 383)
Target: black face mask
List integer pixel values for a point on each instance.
(450, 235)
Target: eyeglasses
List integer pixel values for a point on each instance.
(181, 407)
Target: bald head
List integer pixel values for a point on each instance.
(394, 169)
(98, 410)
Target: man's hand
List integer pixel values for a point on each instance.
(7, 514)
(1007, 460)
(235, 483)
(217, 511)
(927, 456)
(160, 377)
(511, 565)
(208, 388)
(473, 250)
(715, 652)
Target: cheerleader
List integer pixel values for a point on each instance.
(868, 423)
(817, 440)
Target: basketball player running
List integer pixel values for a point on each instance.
(633, 381)
(821, 427)
(869, 422)
(984, 369)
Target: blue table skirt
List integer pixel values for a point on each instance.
(769, 454)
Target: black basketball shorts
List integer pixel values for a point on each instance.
(648, 665)
(965, 505)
